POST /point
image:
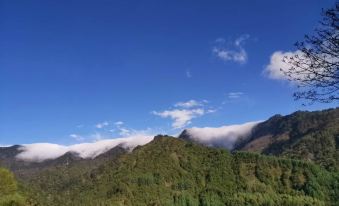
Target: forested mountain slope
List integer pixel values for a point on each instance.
(26, 169)
(171, 171)
(298, 165)
(311, 136)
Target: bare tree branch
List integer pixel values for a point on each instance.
(315, 68)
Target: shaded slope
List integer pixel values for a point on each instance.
(312, 136)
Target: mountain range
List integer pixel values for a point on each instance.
(309, 136)
(285, 160)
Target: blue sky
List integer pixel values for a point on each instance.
(73, 71)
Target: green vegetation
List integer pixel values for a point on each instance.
(289, 160)
(309, 136)
(9, 190)
(171, 171)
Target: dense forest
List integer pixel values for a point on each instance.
(171, 171)
(309, 136)
(9, 195)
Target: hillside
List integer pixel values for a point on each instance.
(9, 195)
(170, 171)
(26, 170)
(311, 136)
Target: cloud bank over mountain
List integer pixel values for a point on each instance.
(225, 136)
(39, 152)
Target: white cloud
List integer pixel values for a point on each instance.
(124, 131)
(77, 137)
(234, 95)
(188, 104)
(225, 136)
(237, 54)
(240, 40)
(118, 123)
(181, 117)
(208, 111)
(5, 145)
(276, 68)
(43, 151)
(102, 125)
(185, 112)
(220, 40)
(230, 55)
(273, 69)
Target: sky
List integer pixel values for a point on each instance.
(82, 71)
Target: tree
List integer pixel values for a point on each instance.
(315, 65)
(8, 190)
(7, 183)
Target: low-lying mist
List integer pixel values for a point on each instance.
(225, 136)
(39, 152)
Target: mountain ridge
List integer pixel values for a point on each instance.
(285, 135)
(271, 137)
(179, 171)
(172, 171)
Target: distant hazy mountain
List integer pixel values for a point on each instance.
(27, 169)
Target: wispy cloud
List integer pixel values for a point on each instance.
(234, 95)
(77, 137)
(188, 74)
(236, 52)
(119, 127)
(189, 104)
(110, 129)
(122, 130)
(102, 125)
(181, 117)
(185, 112)
(118, 123)
(220, 40)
